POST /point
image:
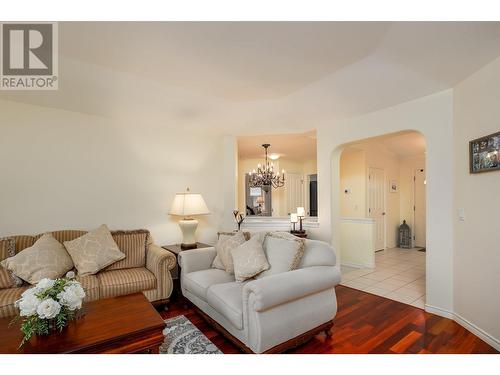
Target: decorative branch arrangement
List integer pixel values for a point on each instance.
(239, 218)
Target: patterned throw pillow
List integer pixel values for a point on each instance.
(249, 258)
(223, 260)
(46, 258)
(94, 251)
(283, 252)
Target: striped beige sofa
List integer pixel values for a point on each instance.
(146, 268)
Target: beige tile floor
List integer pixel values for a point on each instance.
(399, 274)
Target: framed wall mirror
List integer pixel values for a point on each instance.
(276, 174)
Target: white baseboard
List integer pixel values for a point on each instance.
(485, 336)
(439, 311)
(471, 327)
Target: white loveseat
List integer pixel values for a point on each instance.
(269, 314)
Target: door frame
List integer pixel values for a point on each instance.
(414, 239)
(384, 216)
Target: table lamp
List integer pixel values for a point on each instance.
(187, 205)
(294, 220)
(301, 213)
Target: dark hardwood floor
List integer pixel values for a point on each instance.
(366, 323)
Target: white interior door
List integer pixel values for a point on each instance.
(376, 204)
(294, 191)
(419, 209)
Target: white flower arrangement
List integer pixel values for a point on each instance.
(49, 304)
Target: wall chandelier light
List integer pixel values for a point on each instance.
(265, 177)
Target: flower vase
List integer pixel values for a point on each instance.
(78, 315)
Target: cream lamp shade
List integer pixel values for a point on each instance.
(301, 212)
(187, 205)
(260, 200)
(294, 218)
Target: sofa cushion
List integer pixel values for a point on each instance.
(198, 282)
(224, 247)
(229, 234)
(317, 253)
(64, 235)
(23, 242)
(227, 300)
(47, 258)
(249, 258)
(90, 284)
(283, 252)
(119, 282)
(133, 243)
(94, 251)
(8, 297)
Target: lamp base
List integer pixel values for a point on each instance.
(188, 228)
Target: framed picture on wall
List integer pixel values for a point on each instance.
(484, 154)
(393, 186)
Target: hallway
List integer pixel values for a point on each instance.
(399, 274)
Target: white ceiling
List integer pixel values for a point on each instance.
(296, 147)
(242, 74)
(404, 144)
(232, 60)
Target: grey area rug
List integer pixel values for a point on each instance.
(182, 337)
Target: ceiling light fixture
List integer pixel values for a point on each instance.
(265, 177)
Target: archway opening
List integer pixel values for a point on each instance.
(382, 216)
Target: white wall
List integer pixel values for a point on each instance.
(64, 169)
(353, 179)
(357, 240)
(477, 240)
(432, 116)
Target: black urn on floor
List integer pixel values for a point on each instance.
(404, 236)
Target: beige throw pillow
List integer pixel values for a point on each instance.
(249, 258)
(217, 263)
(283, 252)
(94, 251)
(223, 260)
(47, 258)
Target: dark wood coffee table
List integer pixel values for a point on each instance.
(126, 324)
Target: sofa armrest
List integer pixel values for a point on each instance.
(285, 287)
(157, 257)
(160, 261)
(196, 259)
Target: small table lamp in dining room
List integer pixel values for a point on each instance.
(188, 204)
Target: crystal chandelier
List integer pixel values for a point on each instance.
(265, 177)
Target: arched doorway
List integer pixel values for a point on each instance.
(382, 184)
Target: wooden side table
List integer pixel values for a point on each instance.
(176, 272)
(299, 234)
